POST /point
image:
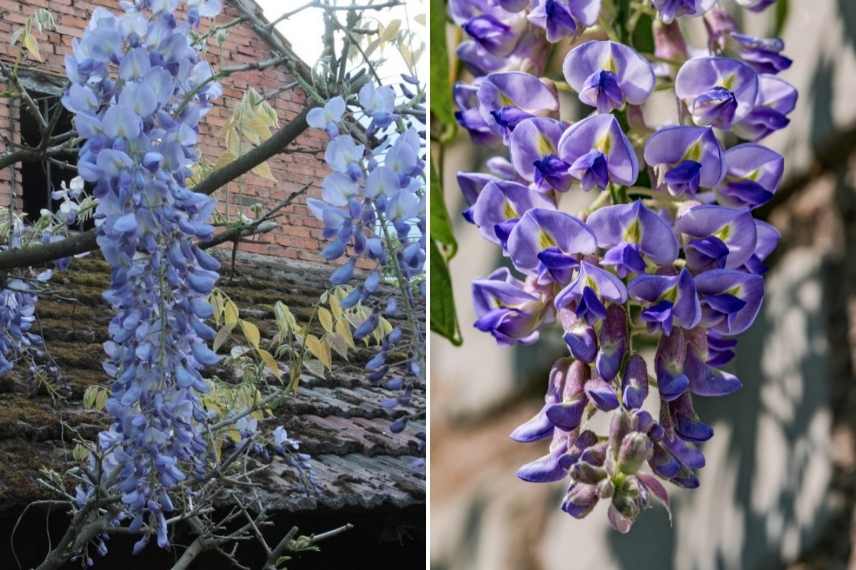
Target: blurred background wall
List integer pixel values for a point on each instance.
(778, 491)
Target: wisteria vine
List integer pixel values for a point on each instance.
(373, 208)
(668, 252)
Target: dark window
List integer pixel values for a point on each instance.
(40, 179)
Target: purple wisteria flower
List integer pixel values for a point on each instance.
(775, 101)
(632, 236)
(756, 5)
(533, 147)
(762, 54)
(507, 98)
(671, 9)
(753, 173)
(598, 153)
(718, 91)
(685, 158)
(506, 309)
(608, 74)
(564, 18)
(499, 206)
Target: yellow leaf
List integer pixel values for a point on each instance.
(314, 366)
(101, 399)
(270, 362)
(231, 313)
(222, 337)
(320, 350)
(326, 319)
(234, 435)
(390, 31)
(336, 307)
(80, 453)
(344, 331)
(264, 171)
(338, 344)
(251, 333)
(89, 397)
(32, 46)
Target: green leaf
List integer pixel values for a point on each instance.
(444, 320)
(441, 225)
(643, 34)
(783, 10)
(441, 92)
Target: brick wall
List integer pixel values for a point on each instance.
(299, 234)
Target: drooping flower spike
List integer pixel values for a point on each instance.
(680, 256)
(608, 74)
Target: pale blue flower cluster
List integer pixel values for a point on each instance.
(140, 130)
(373, 205)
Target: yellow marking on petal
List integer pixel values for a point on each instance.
(591, 283)
(670, 294)
(545, 147)
(633, 233)
(754, 175)
(694, 151)
(724, 232)
(610, 65)
(728, 81)
(604, 144)
(735, 291)
(504, 101)
(508, 211)
(545, 240)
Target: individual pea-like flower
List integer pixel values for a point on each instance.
(753, 173)
(499, 206)
(730, 299)
(686, 158)
(328, 116)
(776, 99)
(598, 153)
(469, 116)
(762, 54)
(507, 98)
(533, 147)
(632, 234)
(489, 24)
(344, 155)
(718, 91)
(548, 240)
(564, 18)
(716, 237)
(608, 74)
(668, 10)
(589, 292)
(506, 309)
(378, 103)
(669, 301)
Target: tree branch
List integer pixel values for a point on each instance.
(86, 241)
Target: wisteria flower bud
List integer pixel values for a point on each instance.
(634, 383)
(636, 448)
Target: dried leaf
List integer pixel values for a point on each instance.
(270, 362)
(32, 46)
(231, 314)
(344, 330)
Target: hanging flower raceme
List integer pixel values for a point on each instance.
(140, 130)
(373, 209)
(679, 260)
